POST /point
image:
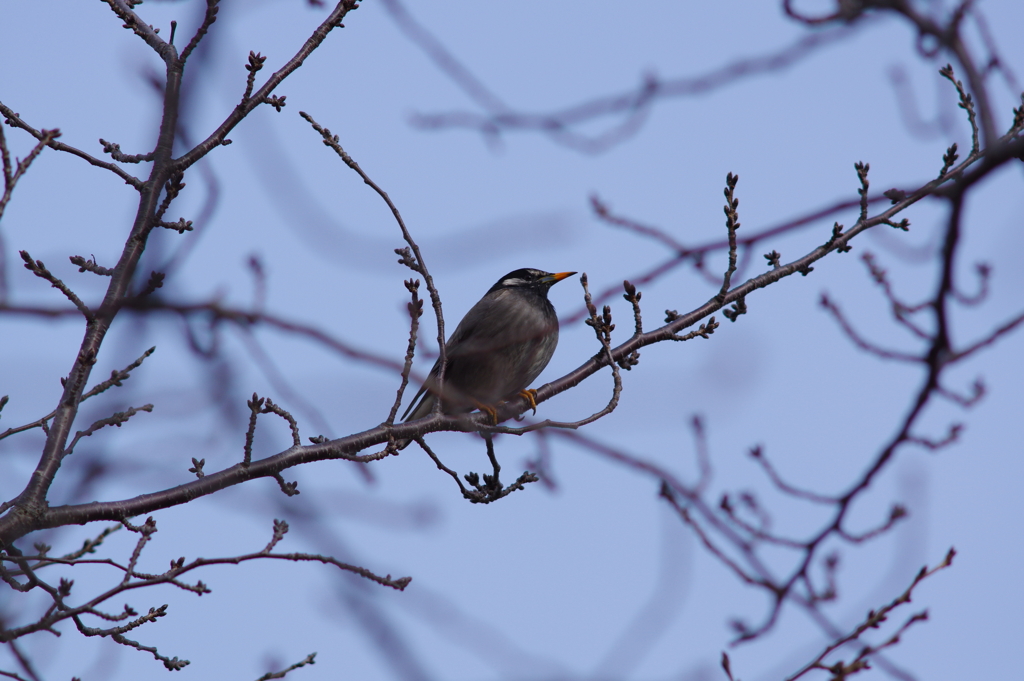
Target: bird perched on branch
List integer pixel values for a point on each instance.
(497, 350)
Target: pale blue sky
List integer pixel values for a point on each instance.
(544, 584)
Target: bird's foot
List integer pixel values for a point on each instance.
(491, 411)
(531, 396)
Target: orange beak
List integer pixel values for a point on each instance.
(555, 278)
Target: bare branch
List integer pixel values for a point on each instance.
(270, 407)
(116, 379)
(731, 224)
(281, 674)
(966, 103)
(115, 153)
(219, 136)
(255, 408)
(604, 213)
(873, 620)
(415, 308)
(633, 105)
(90, 266)
(117, 419)
(827, 303)
(37, 268)
(212, 8)
(998, 333)
(14, 120)
(417, 264)
(11, 177)
(896, 513)
(758, 455)
(131, 20)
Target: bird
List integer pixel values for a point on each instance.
(497, 350)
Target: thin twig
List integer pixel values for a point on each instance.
(37, 268)
(219, 136)
(415, 308)
(731, 225)
(872, 621)
(14, 120)
(208, 19)
(417, 264)
(116, 379)
(11, 177)
(310, 659)
(117, 419)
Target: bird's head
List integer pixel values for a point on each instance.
(527, 278)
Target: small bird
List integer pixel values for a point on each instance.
(498, 349)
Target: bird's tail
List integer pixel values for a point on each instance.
(422, 404)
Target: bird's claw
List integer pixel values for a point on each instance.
(491, 411)
(531, 396)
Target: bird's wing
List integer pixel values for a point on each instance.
(415, 401)
(422, 393)
(467, 339)
(473, 335)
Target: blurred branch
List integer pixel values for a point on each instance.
(281, 674)
(875, 618)
(632, 106)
